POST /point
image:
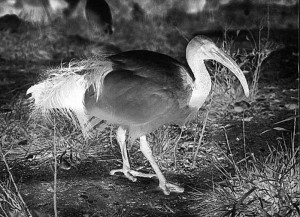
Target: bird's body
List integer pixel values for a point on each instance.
(141, 94)
(137, 90)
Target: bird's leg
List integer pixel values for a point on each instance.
(163, 184)
(121, 137)
(130, 174)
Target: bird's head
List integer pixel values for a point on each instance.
(202, 48)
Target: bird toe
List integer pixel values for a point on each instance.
(126, 173)
(168, 188)
(130, 177)
(140, 174)
(113, 172)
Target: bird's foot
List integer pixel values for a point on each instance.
(168, 188)
(132, 174)
(126, 173)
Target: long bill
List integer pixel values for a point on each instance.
(227, 61)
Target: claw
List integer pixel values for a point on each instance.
(139, 174)
(168, 188)
(132, 174)
(125, 172)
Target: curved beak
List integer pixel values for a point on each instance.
(223, 58)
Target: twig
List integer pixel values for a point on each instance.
(111, 137)
(14, 184)
(200, 139)
(293, 138)
(244, 137)
(175, 147)
(231, 159)
(240, 202)
(55, 172)
(3, 210)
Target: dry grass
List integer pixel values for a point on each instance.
(249, 59)
(11, 204)
(11, 201)
(269, 187)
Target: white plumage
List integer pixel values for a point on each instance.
(65, 89)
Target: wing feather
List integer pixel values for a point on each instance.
(64, 89)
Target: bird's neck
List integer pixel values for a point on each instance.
(202, 83)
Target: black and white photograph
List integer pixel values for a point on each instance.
(149, 108)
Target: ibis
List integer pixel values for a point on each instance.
(137, 90)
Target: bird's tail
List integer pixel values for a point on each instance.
(64, 89)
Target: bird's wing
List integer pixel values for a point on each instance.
(159, 68)
(131, 99)
(142, 86)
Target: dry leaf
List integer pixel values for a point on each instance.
(280, 129)
(291, 106)
(248, 119)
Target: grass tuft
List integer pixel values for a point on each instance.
(254, 187)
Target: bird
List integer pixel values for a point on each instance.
(137, 90)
